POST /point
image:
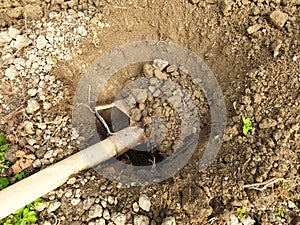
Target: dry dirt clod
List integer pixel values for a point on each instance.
(254, 28)
(279, 18)
(275, 46)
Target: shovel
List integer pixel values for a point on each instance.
(29, 189)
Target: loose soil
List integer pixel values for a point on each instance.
(255, 57)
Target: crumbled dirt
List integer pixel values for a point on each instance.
(254, 56)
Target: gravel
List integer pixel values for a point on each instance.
(144, 203)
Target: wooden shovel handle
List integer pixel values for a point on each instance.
(26, 191)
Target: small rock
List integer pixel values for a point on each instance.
(275, 46)
(135, 115)
(20, 42)
(257, 98)
(37, 163)
(82, 31)
(160, 75)
(135, 207)
(248, 221)
(291, 205)
(254, 28)
(119, 219)
(68, 193)
(232, 131)
(53, 206)
(144, 202)
(95, 211)
(31, 142)
(20, 63)
(75, 201)
(225, 7)
(100, 222)
(11, 73)
(110, 200)
(71, 181)
(41, 42)
(169, 221)
(40, 207)
(175, 101)
(141, 220)
(28, 127)
(10, 153)
(106, 214)
(32, 106)
(33, 12)
(46, 105)
(13, 32)
(32, 92)
(87, 203)
(160, 64)
(15, 13)
(267, 123)
(279, 18)
(172, 69)
(4, 38)
(246, 100)
(148, 70)
(233, 220)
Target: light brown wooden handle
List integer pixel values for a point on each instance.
(26, 191)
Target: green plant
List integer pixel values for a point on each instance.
(281, 212)
(20, 176)
(241, 211)
(23, 216)
(247, 125)
(4, 182)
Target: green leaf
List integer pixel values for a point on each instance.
(2, 138)
(19, 176)
(241, 211)
(4, 182)
(4, 147)
(247, 125)
(281, 212)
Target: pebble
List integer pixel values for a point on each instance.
(169, 221)
(148, 70)
(15, 12)
(95, 211)
(68, 193)
(32, 92)
(4, 38)
(279, 18)
(106, 214)
(31, 142)
(72, 180)
(75, 201)
(275, 46)
(144, 202)
(20, 42)
(254, 28)
(33, 12)
(13, 32)
(141, 220)
(82, 31)
(87, 203)
(119, 219)
(46, 105)
(41, 42)
(160, 64)
(37, 163)
(135, 207)
(11, 73)
(267, 123)
(160, 75)
(100, 222)
(53, 206)
(225, 6)
(32, 106)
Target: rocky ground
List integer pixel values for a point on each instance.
(252, 46)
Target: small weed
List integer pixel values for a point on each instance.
(281, 212)
(23, 216)
(4, 182)
(3, 162)
(241, 211)
(20, 176)
(247, 125)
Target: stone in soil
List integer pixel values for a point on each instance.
(169, 221)
(119, 219)
(144, 202)
(95, 211)
(254, 28)
(33, 12)
(279, 18)
(141, 220)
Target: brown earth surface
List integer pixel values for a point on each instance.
(252, 47)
